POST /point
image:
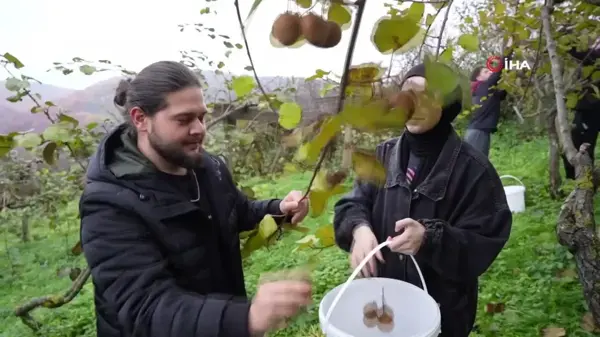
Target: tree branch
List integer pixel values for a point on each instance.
(562, 122)
(51, 301)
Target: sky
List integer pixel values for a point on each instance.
(135, 33)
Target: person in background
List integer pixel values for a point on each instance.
(442, 202)
(486, 100)
(160, 223)
(586, 122)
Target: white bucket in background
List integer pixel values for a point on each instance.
(515, 195)
(416, 314)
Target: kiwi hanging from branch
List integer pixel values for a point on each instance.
(287, 28)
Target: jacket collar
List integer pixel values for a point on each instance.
(435, 184)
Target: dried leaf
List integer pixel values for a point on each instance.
(554, 332)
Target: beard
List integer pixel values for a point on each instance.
(174, 152)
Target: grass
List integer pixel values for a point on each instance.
(533, 276)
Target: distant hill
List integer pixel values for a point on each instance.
(96, 101)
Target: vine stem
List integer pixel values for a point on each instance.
(360, 4)
(249, 54)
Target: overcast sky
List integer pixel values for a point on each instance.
(135, 33)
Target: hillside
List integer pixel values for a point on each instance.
(96, 101)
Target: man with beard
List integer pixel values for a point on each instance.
(442, 202)
(160, 219)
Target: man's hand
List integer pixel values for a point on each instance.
(294, 205)
(364, 242)
(411, 238)
(275, 303)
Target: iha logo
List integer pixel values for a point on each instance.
(495, 64)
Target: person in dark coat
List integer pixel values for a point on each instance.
(586, 122)
(486, 99)
(160, 223)
(442, 202)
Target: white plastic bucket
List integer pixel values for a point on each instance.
(515, 195)
(416, 314)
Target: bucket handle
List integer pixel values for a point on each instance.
(358, 269)
(512, 177)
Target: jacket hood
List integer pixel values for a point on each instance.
(117, 156)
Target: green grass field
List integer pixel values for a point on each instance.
(534, 276)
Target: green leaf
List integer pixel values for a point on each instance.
(243, 85)
(440, 77)
(304, 3)
(49, 153)
(15, 61)
(255, 5)
(571, 100)
(220, 65)
(6, 144)
(28, 140)
(87, 69)
(469, 42)
(59, 132)
(68, 119)
(290, 115)
(15, 84)
(339, 14)
(446, 55)
(391, 34)
(415, 12)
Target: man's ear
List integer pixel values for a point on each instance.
(138, 118)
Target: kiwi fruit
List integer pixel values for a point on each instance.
(370, 310)
(334, 34)
(385, 327)
(287, 28)
(315, 29)
(370, 322)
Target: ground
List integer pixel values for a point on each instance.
(533, 276)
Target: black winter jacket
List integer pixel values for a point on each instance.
(464, 209)
(152, 251)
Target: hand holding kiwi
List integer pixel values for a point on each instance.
(288, 28)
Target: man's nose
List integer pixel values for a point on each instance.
(198, 127)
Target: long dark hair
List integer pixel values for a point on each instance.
(148, 90)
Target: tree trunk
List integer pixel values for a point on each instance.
(576, 228)
(347, 149)
(554, 155)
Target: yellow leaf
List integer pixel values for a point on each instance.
(255, 242)
(289, 168)
(373, 115)
(390, 34)
(267, 226)
(469, 42)
(367, 167)
(290, 115)
(415, 11)
(339, 14)
(365, 73)
(308, 241)
(304, 3)
(326, 235)
(429, 20)
(554, 332)
(318, 202)
(310, 151)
